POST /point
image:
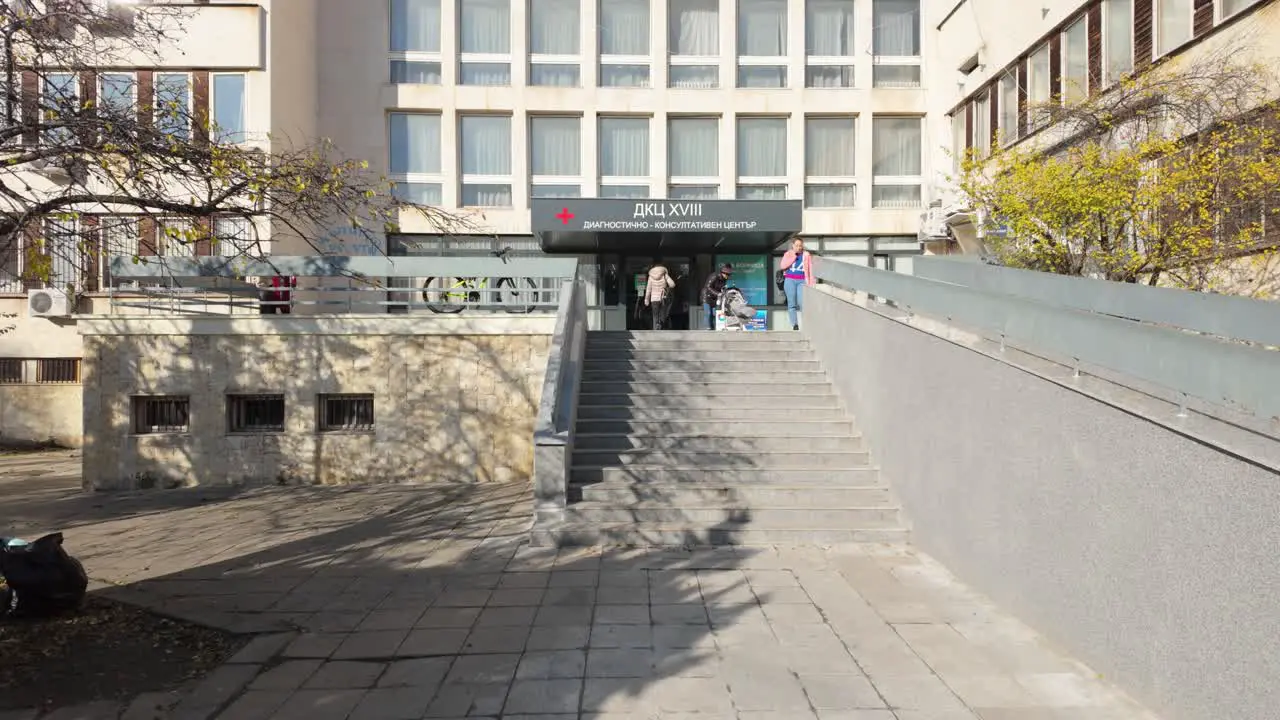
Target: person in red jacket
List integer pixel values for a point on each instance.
(277, 300)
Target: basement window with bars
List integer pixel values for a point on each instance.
(58, 370)
(346, 413)
(255, 413)
(154, 415)
(11, 371)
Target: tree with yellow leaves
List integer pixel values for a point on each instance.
(1169, 179)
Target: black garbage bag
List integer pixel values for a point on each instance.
(41, 578)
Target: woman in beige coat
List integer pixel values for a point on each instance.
(657, 293)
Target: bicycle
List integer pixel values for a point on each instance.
(452, 294)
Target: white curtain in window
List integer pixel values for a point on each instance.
(624, 27)
(1118, 43)
(958, 139)
(828, 196)
(694, 76)
(828, 28)
(981, 128)
(896, 29)
(486, 145)
(228, 106)
(1231, 7)
(1008, 107)
(415, 25)
(762, 147)
(485, 26)
(1174, 23)
(486, 195)
(695, 27)
(553, 27)
(829, 147)
(1075, 79)
(555, 146)
(415, 143)
(553, 75)
(624, 76)
(762, 192)
(762, 28)
(896, 146)
(472, 73)
(1038, 92)
(692, 147)
(693, 192)
(624, 147)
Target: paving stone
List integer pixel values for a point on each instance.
(544, 696)
(766, 691)
(343, 675)
(840, 692)
(693, 695)
(615, 695)
(320, 705)
(18, 714)
(574, 578)
(425, 642)
(335, 621)
(537, 580)
(564, 615)
(569, 596)
(685, 614)
(609, 595)
(370, 644)
(263, 648)
(468, 700)
(288, 675)
(104, 710)
(469, 597)
(149, 706)
(438, 617)
(419, 672)
(256, 705)
(499, 616)
(777, 715)
(397, 619)
(559, 637)
(916, 692)
(622, 615)
(501, 639)
(870, 715)
(620, 662)
(215, 690)
(397, 703)
(793, 615)
(482, 669)
(621, 636)
(550, 665)
(623, 579)
(516, 597)
(682, 636)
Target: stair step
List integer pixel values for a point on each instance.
(732, 425)
(704, 389)
(685, 337)
(861, 476)
(748, 494)
(706, 365)
(729, 410)
(776, 406)
(666, 375)
(854, 518)
(726, 443)
(695, 535)
(721, 460)
(749, 354)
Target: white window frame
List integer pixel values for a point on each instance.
(1008, 136)
(552, 59)
(959, 121)
(1221, 10)
(413, 178)
(1109, 76)
(75, 226)
(105, 223)
(700, 180)
(643, 181)
(191, 102)
(811, 61)
(561, 180)
(466, 58)
(1063, 48)
(1037, 107)
(466, 179)
(245, 135)
(44, 106)
(902, 180)
(414, 56)
(674, 60)
(1155, 28)
(816, 180)
(133, 86)
(772, 61)
(982, 120)
(162, 238)
(749, 180)
(621, 60)
(241, 246)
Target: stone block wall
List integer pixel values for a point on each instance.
(452, 407)
(39, 414)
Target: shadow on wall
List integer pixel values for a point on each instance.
(447, 408)
(35, 416)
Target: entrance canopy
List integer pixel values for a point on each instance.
(676, 227)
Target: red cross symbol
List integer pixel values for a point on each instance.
(565, 216)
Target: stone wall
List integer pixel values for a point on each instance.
(455, 400)
(40, 414)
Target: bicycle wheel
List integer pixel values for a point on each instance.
(445, 294)
(518, 295)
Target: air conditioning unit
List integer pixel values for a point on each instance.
(48, 303)
(933, 226)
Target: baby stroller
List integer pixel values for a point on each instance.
(736, 311)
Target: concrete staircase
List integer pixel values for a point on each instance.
(700, 438)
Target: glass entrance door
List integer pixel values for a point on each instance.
(683, 295)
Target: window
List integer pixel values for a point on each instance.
(959, 139)
(58, 371)
(762, 43)
(1008, 109)
(896, 164)
(1075, 62)
(69, 264)
(255, 413)
(415, 41)
(895, 43)
(762, 158)
(694, 42)
(486, 160)
(555, 156)
(60, 99)
(1038, 86)
(1231, 7)
(117, 96)
(625, 54)
(553, 43)
(346, 413)
(176, 238)
(693, 158)
(233, 237)
(11, 371)
(830, 167)
(173, 104)
(485, 42)
(1173, 24)
(829, 43)
(415, 166)
(119, 237)
(1117, 42)
(624, 157)
(161, 414)
(982, 124)
(228, 107)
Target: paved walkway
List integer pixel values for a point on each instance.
(413, 602)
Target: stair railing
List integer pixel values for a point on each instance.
(558, 407)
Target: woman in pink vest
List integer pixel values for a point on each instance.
(797, 272)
